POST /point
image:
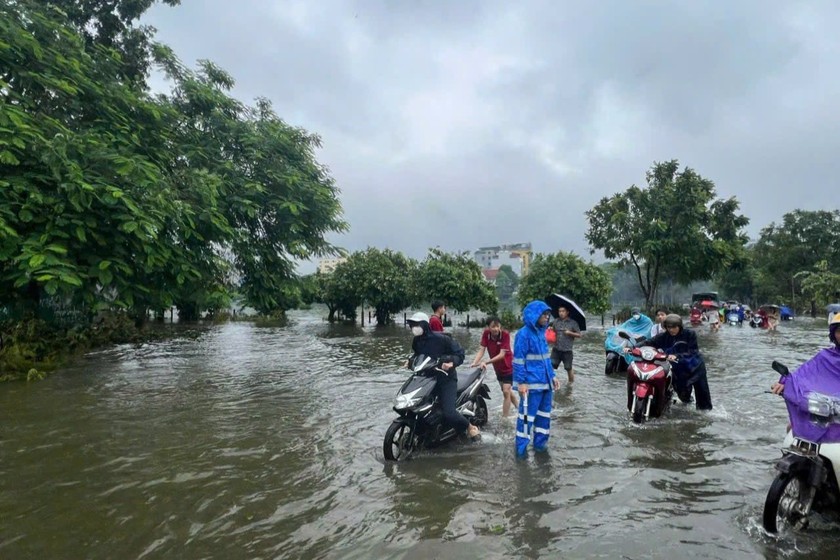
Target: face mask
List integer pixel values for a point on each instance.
(416, 331)
(636, 316)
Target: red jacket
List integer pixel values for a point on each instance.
(434, 324)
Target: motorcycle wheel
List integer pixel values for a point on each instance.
(787, 490)
(399, 442)
(481, 414)
(639, 410)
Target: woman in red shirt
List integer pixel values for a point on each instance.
(497, 344)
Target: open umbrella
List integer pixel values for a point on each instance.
(833, 307)
(709, 303)
(575, 312)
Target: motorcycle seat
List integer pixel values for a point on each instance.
(466, 378)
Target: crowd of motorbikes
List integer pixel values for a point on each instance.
(808, 471)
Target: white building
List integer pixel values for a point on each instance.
(517, 256)
(325, 266)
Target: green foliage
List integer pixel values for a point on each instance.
(507, 282)
(111, 198)
(382, 279)
(738, 281)
(800, 243)
(510, 320)
(821, 285)
(566, 273)
(110, 23)
(456, 280)
(675, 227)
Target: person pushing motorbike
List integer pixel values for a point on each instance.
(449, 352)
(688, 369)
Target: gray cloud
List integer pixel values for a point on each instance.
(459, 124)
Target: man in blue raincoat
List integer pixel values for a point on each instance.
(534, 378)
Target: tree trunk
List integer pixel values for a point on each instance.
(382, 316)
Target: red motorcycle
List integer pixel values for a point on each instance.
(649, 389)
(696, 317)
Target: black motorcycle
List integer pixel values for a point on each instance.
(420, 424)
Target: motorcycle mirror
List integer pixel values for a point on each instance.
(419, 365)
(780, 368)
(623, 334)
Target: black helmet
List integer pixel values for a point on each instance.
(672, 320)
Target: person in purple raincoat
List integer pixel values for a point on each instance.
(820, 374)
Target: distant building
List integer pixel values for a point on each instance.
(325, 266)
(490, 274)
(516, 255)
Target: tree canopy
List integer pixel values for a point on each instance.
(799, 243)
(675, 226)
(113, 197)
(566, 273)
(456, 280)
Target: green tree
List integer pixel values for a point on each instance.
(86, 210)
(111, 24)
(820, 285)
(279, 202)
(799, 243)
(336, 290)
(112, 197)
(455, 279)
(566, 273)
(675, 227)
(738, 280)
(507, 282)
(382, 279)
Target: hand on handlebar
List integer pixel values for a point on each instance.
(672, 358)
(446, 366)
(777, 388)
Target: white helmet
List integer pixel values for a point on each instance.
(418, 317)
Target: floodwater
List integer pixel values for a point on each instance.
(264, 441)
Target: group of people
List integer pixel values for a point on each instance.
(526, 372)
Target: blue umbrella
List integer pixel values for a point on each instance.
(833, 307)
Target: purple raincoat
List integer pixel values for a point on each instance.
(820, 374)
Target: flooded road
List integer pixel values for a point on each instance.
(249, 441)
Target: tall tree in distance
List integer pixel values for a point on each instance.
(566, 273)
(675, 226)
(457, 280)
(799, 243)
(507, 282)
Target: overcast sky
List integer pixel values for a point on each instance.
(467, 123)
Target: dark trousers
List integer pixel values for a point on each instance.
(447, 387)
(685, 381)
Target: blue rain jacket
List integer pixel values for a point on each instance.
(531, 356)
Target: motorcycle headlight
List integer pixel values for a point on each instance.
(820, 405)
(407, 400)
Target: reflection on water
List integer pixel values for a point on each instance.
(264, 441)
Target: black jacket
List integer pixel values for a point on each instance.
(437, 345)
(688, 353)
